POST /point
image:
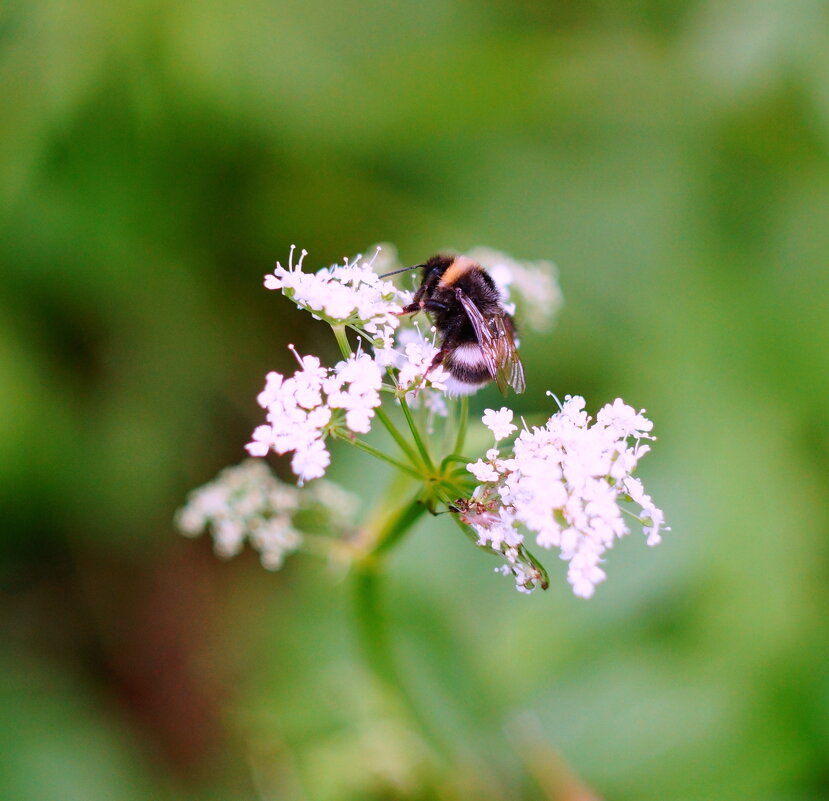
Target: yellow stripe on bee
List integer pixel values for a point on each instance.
(459, 267)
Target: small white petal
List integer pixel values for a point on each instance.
(483, 471)
(499, 423)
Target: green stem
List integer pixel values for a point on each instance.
(543, 577)
(362, 334)
(364, 446)
(454, 458)
(397, 436)
(421, 445)
(370, 618)
(634, 516)
(342, 340)
(464, 416)
(396, 527)
(375, 642)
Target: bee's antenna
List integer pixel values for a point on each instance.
(402, 270)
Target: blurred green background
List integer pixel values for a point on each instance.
(157, 158)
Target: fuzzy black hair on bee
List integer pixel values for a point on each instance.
(477, 335)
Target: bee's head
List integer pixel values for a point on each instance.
(434, 269)
(431, 270)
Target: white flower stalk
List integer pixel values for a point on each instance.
(410, 358)
(353, 295)
(316, 401)
(564, 483)
(532, 286)
(499, 423)
(244, 502)
(248, 503)
(343, 294)
(355, 387)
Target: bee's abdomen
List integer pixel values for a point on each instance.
(466, 364)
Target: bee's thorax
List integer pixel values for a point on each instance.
(459, 267)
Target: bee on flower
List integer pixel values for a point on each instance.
(567, 485)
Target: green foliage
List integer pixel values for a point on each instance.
(155, 160)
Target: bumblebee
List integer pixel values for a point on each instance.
(477, 335)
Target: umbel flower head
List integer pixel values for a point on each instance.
(314, 402)
(303, 410)
(247, 502)
(352, 295)
(565, 483)
(348, 293)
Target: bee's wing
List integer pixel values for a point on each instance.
(510, 369)
(483, 333)
(497, 345)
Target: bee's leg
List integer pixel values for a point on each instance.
(424, 305)
(415, 306)
(439, 357)
(455, 334)
(450, 341)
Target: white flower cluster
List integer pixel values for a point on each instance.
(247, 502)
(351, 292)
(410, 358)
(564, 482)
(534, 285)
(303, 409)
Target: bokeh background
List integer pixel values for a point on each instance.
(157, 157)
